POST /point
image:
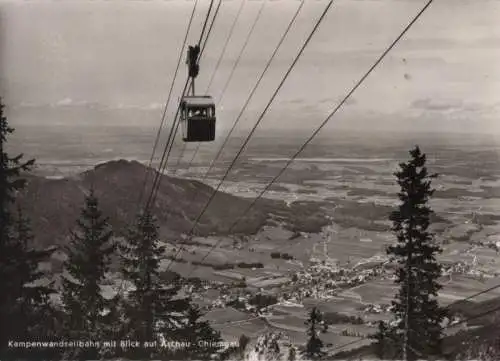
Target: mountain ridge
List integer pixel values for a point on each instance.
(54, 205)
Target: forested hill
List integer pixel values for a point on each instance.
(54, 205)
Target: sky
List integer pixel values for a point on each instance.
(112, 62)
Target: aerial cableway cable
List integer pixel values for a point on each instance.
(157, 179)
(179, 158)
(318, 22)
(158, 134)
(226, 43)
(158, 173)
(169, 139)
(344, 100)
(168, 147)
(223, 52)
(184, 147)
(210, 27)
(235, 65)
(235, 123)
(238, 58)
(450, 325)
(183, 93)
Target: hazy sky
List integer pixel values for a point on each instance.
(91, 57)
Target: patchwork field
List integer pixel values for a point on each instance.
(351, 177)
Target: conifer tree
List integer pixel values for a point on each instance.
(38, 316)
(243, 342)
(202, 339)
(314, 344)
(89, 256)
(152, 311)
(383, 345)
(418, 315)
(292, 353)
(23, 304)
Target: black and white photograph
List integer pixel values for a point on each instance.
(250, 180)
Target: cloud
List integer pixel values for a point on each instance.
(437, 105)
(334, 101)
(65, 101)
(454, 108)
(154, 106)
(68, 102)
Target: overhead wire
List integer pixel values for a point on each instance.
(144, 186)
(164, 159)
(322, 125)
(183, 93)
(245, 44)
(179, 158)
(250, 97)
(450, 325)
(158, 134)
(184, 147)
(235, 65)
(223, 52)
(318, 22)
(226, 43)
(210, 28)
(174, 130)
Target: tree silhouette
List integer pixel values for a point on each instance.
(24, 302)
(418, 315)
(314, 344)
(89, 257)
(151, 310)
(203, 341)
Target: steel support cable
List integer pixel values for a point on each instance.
(210, 27)
(181, 155)
(234, 67)
(179, 158)
(158, 134)
(292, 66)
(168, 147)
(157, 179)
(226, 43)
(158, 174)
(178, 123)
(349, 94)
(143, 188)
(223, 92)
(250, 97)
(224, 48)
(205, 23)
(170, 139)
(482, 314)
(164, 158)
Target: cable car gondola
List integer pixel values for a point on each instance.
(198, 118)
(197, 111)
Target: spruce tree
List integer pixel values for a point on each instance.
(382, 341)
(23, 304)
(153, 313)
(418, 315)
(39, 317)
(89, 256)
(243, 342)
(202, 339)
(314, 344)
(292, 353)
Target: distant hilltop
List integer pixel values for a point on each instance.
(54, 205)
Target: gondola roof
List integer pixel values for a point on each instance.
(198, 100)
